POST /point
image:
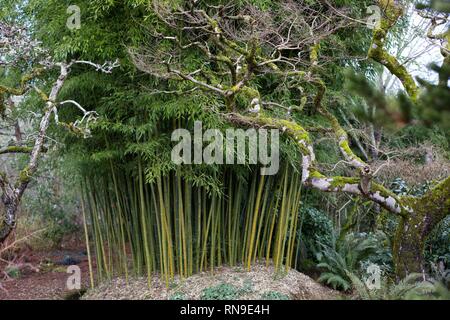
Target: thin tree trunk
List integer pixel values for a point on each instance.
(17, 132)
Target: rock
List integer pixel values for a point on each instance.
(68, 261)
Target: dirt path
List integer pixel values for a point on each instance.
(44, 276)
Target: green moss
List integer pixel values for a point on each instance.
(295, 130)
(43, 95)
(303, 102)
(13, 91)
(315, 174)
(341, 135)
(23, 83)
(247, 92)
(321, 89)
(385, 192)
(33, 74)
(314, 53)
(24, 175)
(16, 149)
(292, 129)
(346, 148)
(340, 182)
(225, 59)
(407, 249)
(414, 228)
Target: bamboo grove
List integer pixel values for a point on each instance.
(172, 227)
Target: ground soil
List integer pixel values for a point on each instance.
(42, 276)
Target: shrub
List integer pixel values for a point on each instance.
(274, 295)
(223, 291)
(177, 296)
(13, 272)
(315, 228)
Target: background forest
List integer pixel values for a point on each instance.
(111, 183)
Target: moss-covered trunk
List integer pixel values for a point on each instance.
(408, 246)
(416, 226)
(8, 222)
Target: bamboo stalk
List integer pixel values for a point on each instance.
(86, 237)
(176, 227)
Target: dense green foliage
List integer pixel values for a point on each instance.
(146, 215)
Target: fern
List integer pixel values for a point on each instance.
(342, 258)
(412, 287)
(335, 280)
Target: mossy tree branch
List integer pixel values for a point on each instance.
(312, 177)
(15, 149)
(392, 13)
(340, 134)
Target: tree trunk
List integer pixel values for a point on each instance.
(18, 132)
(9, 222)
(408, 247)
(414, 229)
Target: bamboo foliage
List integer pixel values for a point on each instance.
(172, 226)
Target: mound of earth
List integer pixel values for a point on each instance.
(260, 282)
